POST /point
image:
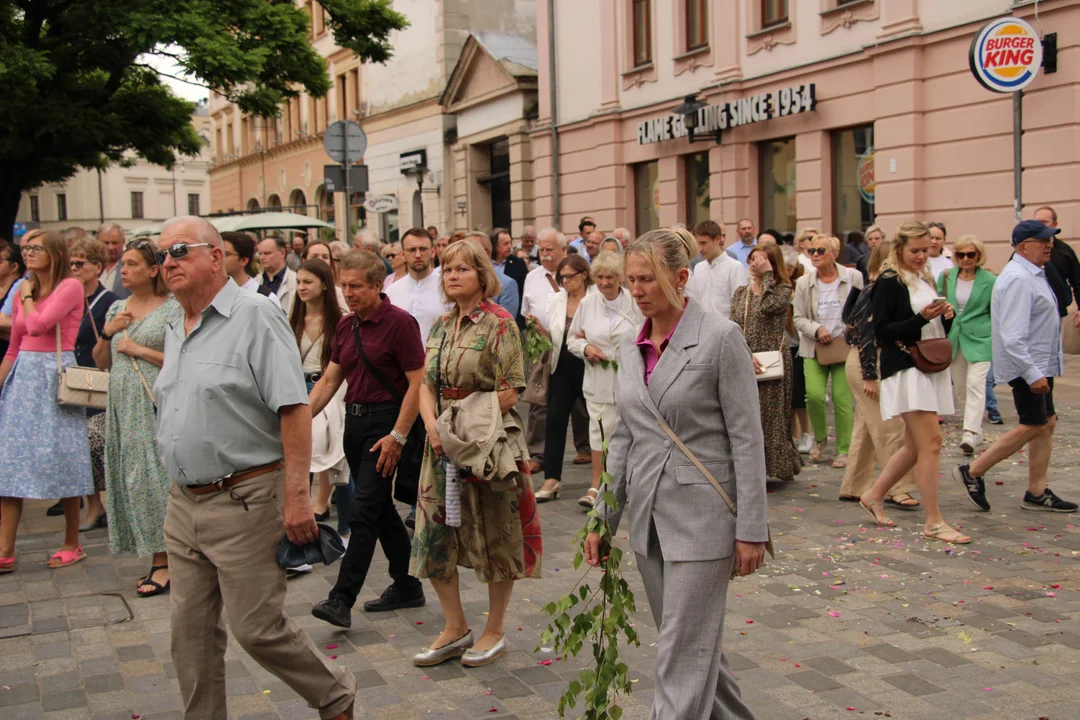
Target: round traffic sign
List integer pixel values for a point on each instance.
(342, 136)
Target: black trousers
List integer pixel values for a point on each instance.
(372, 515)
(563, 392)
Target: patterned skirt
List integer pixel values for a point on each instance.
(46, 450)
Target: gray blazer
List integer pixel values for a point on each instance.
(704, 386)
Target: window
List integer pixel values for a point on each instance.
(853, 179)
(61, 207)
(777, 174)
(193, 204)
(697, 188)
(35, 210)
(642, 20)
(774, 12)
(697, 18)
(341, 96)
(497, 181)
(647, 196)
(136, 205)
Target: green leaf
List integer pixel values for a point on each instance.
(609, 500)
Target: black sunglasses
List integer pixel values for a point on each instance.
(967, 255)
(177, 252)
(77, 264)
(816, 251)
(137, 244)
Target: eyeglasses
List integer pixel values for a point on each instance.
(966, 255)
(137, 245)
(231, 254)
(32, 249)
(177, 252)
(568, 276)
(391, 256)
(77, 264)
(816, 251)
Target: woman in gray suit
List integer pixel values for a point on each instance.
(691, 370)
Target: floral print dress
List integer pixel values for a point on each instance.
(764, 323)
(499, 536)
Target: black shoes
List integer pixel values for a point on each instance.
(1049, 502)
(410, 519)
(395, 598)
(994, 418)
(334, 612)
(974, 487)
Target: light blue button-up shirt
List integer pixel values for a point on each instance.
(508, 298)
(741, 251)
(1026, 333)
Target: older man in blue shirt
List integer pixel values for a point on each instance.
(1026, 338)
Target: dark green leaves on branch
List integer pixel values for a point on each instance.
(536, 343)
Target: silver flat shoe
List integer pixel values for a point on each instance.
(434, 656)
(477, 659)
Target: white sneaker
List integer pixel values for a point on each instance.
(968, 443)
(298, 570)
(806, 443)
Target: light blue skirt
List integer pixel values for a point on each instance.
(44, 446)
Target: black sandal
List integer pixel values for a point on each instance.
(158, 588)
(850, 498)
(900, 504)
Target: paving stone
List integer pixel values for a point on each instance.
(95, 666)
(537, 675)
(740, 662)
(47, 625)
(828, 665)
(19, 694)
(368, 679)
(103, 683)
(129, 653)
(943, 657)
(63, 700)
(1023, 638)
(912, 684)
(509, 687)
(815, 681)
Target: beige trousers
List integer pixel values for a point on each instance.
(221, 554)
(871, 438)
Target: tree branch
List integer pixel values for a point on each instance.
(174, 77)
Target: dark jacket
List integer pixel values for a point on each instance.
(515, 268)
(895, 324)
(1063, 274)
(858, 331)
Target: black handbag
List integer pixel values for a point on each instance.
(407, 480)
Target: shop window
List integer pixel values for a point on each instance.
(497, 182)
(777, 177)
(853, 179)
(193, 204)
(642, 26)
(774, 12)
(61, 206)
(647, 196)
(389, 226)
(697, 24)
(697, 188)
(35, 209)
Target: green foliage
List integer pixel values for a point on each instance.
(601, 616)
(613, 364)
(78, 91)
(536, 343)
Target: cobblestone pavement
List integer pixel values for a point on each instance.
(848, 621)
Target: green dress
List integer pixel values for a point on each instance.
(499, 535)
(138, 486)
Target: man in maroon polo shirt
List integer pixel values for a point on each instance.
(381, 404)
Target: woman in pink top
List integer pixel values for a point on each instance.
(46, 451)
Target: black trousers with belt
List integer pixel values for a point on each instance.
(372, 515)
(563, 391)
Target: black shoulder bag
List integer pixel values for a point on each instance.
(412, 455)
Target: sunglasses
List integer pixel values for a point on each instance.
(391, 256)
(137, 245)
(816, 251)
(77, 264)
(177, 252)
(966, 255)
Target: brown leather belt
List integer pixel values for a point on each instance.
(452, 393)
(236, 478)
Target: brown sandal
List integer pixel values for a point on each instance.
(881, 521)
(946, 534)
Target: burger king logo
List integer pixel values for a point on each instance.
(1006, 55)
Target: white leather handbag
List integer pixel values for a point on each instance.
(81, 386)
(773, 362)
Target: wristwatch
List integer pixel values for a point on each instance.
(398, 436)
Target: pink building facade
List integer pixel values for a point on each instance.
(835, 114)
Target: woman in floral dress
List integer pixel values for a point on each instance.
(762, 310)
(474, 348)
(132, 347)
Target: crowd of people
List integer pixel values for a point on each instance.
(256, 384)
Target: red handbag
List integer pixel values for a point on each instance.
(930, 356)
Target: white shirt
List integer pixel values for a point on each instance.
(253, 285)
(538, 292)
(108, 277)
(829, 308)
(963, 293)
(715, 281)
(806, 262)
(420, 298)
(939, 264)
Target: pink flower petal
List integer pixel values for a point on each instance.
(545, 662)
(834, 614)
(332, 646)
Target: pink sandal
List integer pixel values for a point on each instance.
(67, 557)
(7, 565)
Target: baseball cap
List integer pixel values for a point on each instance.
(1032, 230)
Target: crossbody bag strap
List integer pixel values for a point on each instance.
(394, 392)
(59, 362)
(693, 458)
(142, 378)
(311, 347)
(90, 314)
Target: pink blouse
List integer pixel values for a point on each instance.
(36, 332)
(649, 352)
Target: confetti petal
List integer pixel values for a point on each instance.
(545, 662)
(332, 646)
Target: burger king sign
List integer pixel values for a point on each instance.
(1006, 55)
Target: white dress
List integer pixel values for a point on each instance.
(912, 389)
(328, 427)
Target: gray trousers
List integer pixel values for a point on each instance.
(693, 677)
(579, 423)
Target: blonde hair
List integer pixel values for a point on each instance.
(474, 255)
(667, 250)
(878, 256)
(974, 242)
(610, 261)
(905, 233)
(875, 229)
(833, 243)
(806, 234)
